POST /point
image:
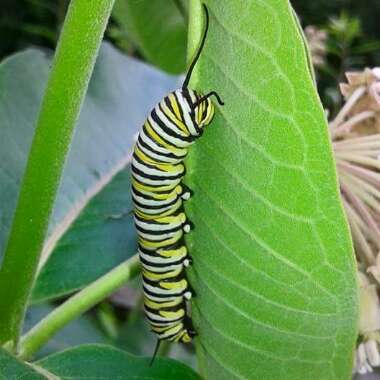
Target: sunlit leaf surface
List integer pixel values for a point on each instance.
(273, 268)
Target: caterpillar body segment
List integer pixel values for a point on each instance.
(158, 193)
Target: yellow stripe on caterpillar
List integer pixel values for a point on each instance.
(170, 219)
(150, 217)
(167, 329)
(178, 285)
(159, 305)
(155, 245)
(180, 252)
(160, 276)
(155, 137)
(175, 106)
(168, 168)
(178, 190)
(172, 314)
(143, 187)
(172, 117)
(184, 337)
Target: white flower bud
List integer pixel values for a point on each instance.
(362, 366)
(369, 320)
(376, 72)
(372, 353)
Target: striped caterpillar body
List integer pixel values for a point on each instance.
(158, 194)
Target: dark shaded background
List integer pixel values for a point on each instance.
(37, 22)
(318, 11)
(29, 22)
(25, 23)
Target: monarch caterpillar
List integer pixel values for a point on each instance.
(158, 194)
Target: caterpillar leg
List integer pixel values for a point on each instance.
(187, 193)
(188, 226)
(188, 261)
(190, 290)
(189, 327)
(187, 336)
(192, 332)
(189, 293)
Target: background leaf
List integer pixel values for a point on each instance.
(83, 330)
(273, 266)
(12, 369)
(163, 19)
(105, 362)
(19, 104)
(121, 93)
(99, 239)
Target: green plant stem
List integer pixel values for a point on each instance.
(77, 305)
(194, 36)
(72, 67)
(194, 33)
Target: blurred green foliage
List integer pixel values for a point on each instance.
(137, 21)
(353, 42)
(318, 11)
(348, 48)
(30, 22)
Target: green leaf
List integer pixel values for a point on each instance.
(273, 271)
(105, 362)
(364, 48)
(120, 94)
(13, 369)
(158, 28)
(94, 362)
(80, 331)
(99, 239)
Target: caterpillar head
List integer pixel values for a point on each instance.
(203, 112)
(192, 112)
(199, 109)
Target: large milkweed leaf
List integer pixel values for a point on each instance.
(121, 93)
(273, 271)
(105, 362)
(158, 29)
